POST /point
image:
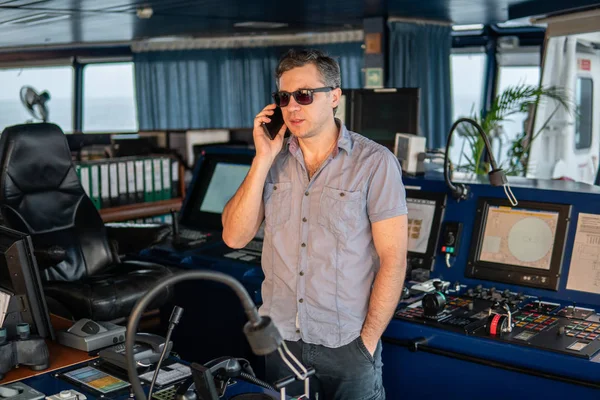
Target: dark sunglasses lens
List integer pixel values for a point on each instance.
(282, 99)
(303, 97)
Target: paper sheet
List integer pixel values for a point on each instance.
(4, 301)
(584, 271)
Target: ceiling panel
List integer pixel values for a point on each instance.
(91, 21)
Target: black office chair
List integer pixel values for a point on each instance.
(40, 194)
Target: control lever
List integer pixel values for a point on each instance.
(499, 323)
(175, 225)
(176, 240)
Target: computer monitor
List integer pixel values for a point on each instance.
(218, 174)
(521, 245)
(381, 113)
(20, 277)
(224, 182)
(425, 213)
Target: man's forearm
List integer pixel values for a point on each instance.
(385, 295)
(242, 213)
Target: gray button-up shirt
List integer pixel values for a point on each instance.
(318, 256)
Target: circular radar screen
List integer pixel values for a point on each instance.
(519, 237)
(530, 239)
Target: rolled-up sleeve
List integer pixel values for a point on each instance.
(386, 196)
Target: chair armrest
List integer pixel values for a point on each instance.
(133, 238)
(50, 256)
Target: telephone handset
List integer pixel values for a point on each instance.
(146, 351)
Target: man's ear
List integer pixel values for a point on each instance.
(336, 94)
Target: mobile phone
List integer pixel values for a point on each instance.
(272, 128)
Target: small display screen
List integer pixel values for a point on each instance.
(525, 335)
(420, 220)
(577, 346)
(224, 182)
(519, 237)
(95, 379)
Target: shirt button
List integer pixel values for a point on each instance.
(274, 187)
(342, 194)
(301, 300)
(301, 273)
(303, 245)
(304, 219)
(297, 330)
(306, 193)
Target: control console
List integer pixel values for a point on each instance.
(508, 317)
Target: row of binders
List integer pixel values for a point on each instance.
(130, 180)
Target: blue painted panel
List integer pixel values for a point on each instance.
(427, 375)
(582, 198)
(420, 375)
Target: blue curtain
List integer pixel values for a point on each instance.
(419, 56)
(218, 88)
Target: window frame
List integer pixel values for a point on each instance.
(83, 63)
(590, 136)
(49, 63)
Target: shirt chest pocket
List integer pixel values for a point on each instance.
(340, 210)
(278, 200)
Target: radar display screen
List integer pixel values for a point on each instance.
(523, 245)
(517, 236)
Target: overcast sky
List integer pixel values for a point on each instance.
(114, 80)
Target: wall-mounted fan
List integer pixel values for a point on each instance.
(35, 103)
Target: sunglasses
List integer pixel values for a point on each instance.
(302, 96)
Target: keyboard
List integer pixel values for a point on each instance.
(191, 234)
(168, 374)
(255, 245)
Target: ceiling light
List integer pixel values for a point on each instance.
(144, 12)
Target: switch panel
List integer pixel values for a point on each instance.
(450, 239)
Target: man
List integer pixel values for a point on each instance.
(334, 254)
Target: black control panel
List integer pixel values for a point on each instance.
(509, 317)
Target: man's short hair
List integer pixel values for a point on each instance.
(327, 66)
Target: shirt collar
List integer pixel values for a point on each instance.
(344, 140)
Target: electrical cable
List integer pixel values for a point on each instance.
(173, 321)
(496, 175)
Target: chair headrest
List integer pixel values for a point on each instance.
(35, 156)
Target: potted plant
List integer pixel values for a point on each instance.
(513, 100)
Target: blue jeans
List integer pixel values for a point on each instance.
(344, 373)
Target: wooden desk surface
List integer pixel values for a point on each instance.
(60, 356)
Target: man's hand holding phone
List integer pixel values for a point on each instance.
(269, 129)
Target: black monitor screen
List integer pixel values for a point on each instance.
(420, 221)
(522, 245)
(425, 213)
(381, 113)
(217, 177)
(19, 276)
